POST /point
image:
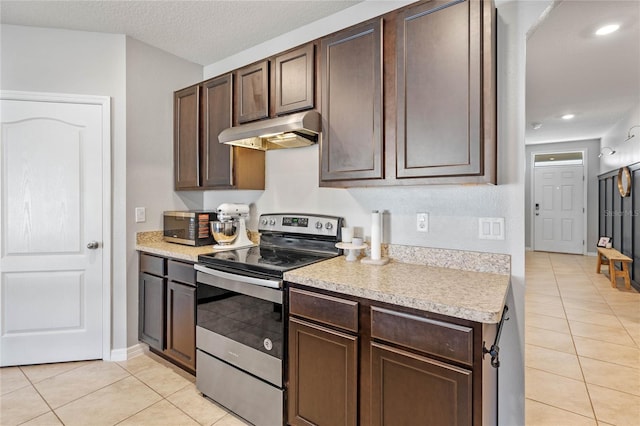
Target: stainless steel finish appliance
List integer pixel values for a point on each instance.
(288, 131)
(188, 227)
(242, 309)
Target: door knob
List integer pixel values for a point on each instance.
(93, 245)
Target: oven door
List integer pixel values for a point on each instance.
(240, 320)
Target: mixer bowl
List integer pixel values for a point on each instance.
(224, 232)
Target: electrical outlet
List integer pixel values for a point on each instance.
(141, 214)
(422, 222)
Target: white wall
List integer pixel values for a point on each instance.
(140, 80)
(292, 180)
(152, 75)
(626, 152)
(61, 61)
(592, 169)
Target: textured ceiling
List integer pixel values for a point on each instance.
(199, 31)
(571, 70)
(568, 68)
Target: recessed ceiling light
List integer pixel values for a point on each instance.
(568, 116)
(552, 158)
(607, 29)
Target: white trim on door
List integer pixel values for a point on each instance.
(105, 103)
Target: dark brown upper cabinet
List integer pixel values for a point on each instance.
(440, 90)
(216, 158)
(439, 94)
(186, 137)
(200, 160)
(252, 92)
(352, 120)
(294, 80)
(276, 86)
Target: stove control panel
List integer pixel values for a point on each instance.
(296, 223)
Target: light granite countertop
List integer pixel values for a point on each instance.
(471, 295)
(151, 242)
(176, 251)
(461, 284)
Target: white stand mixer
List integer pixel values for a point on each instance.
(231, 212)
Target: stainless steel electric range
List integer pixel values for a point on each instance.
(241, 313)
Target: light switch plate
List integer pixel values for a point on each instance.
(491, 228)
(141, 214)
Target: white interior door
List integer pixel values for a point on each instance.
(51, 281)
(559, 209)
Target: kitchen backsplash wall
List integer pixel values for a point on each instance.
(292, 186)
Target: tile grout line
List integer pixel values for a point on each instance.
(584, 379)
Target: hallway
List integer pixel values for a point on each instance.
(582, 344)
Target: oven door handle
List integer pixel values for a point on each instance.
(277, 284)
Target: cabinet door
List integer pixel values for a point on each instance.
(151, 298)
(409, 389)
(323, 375)
(439, 83)
(253, 92)
(181, 324)
(352, 133)
(294, 85)
(217, 115)
(186, 138)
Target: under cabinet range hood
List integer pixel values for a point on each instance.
(289, 131)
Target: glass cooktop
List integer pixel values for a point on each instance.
(272, 261)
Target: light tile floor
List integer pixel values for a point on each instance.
(582, 365)
(582, 338)
(145, 390)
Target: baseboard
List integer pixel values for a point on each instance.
(528, 249)
(136, 350)
(118, 355)
(592, 253)
(128, 353)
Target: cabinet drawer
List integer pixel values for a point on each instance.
(153, 264)
(181, 271)
(450, 341)
(325, 309)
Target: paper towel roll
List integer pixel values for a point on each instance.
(375, 235)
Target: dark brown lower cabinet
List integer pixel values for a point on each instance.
(358, 361)
(324, 388)
(409, 389)
(167, 309)
(181, 326)
(151, 310)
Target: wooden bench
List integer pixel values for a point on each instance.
(609, 256)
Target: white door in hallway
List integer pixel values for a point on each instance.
(559, 209)
(51, 231)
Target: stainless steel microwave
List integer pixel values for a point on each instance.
(189, 227)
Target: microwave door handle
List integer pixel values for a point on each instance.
(242, 278)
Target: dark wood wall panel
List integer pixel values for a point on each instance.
(635, 223)
(602, 200)
(619, 217)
